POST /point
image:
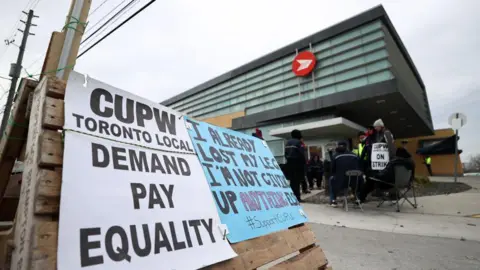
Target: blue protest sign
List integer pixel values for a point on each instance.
(252, 195)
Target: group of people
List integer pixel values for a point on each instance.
(341, 159)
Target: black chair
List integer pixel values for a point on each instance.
(354, 176)
(402, 184)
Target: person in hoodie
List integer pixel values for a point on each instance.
(296, 162)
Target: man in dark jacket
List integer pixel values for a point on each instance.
(295, 156)
(343, 161)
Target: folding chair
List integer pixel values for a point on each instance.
(358, 176)
(403, 180)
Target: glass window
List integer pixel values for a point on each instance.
(288, 59)
(380, 77)
(374, 45)
(370, 27)
(345, 37)
(276, 147)
(359, 82)
(321, 46)
(382, 64)
(347, 46)
(292, 99)
(376, 55)
(325, 81)
(291, 82)
(373, 36)
(290, 91)
(350, 74)
(307, 95)
(349, 64)
(325, 91)
(348, 54)
(325, 71)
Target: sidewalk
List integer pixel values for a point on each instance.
(403, 223)
(447, 216)
(463, 204)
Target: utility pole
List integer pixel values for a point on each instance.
(16, 69)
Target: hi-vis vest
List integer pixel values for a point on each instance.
(428, 160)
(359, 151)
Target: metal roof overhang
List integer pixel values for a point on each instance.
(329, 128)
(361, 105)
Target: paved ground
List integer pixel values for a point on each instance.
(393, 222)
(458, 204)
(348, 249)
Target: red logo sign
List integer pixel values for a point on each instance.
(304, 63)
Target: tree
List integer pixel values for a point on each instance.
(473, 165)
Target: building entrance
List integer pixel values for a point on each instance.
(315, 150)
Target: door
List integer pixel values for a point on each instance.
(315, 150)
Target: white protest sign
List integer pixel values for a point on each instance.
(102, 110)
(127, 207)
(380, 156)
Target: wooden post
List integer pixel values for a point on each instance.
(52, 57)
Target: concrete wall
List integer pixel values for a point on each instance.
(408, 85)
(224, 120)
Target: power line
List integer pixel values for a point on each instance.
(98, 7)
(111, 23)
(93, 26)
(109, 20)
(117, 27)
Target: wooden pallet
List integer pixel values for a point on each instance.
(35, 236)
(11, 145)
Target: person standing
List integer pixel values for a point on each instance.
(295, 167)
(258, 134)
(428, 163)
(383, 135)
(315, 171)
(361, 144)
(380, 134)
(305, 187)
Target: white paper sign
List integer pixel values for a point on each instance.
(102, 110)
(380, 156)
(128, 207)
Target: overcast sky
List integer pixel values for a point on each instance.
(177, 44)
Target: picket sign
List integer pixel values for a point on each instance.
(380, 156)
(35, 232)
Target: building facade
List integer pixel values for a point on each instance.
(362, 72)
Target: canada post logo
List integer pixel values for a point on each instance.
(304, 63)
